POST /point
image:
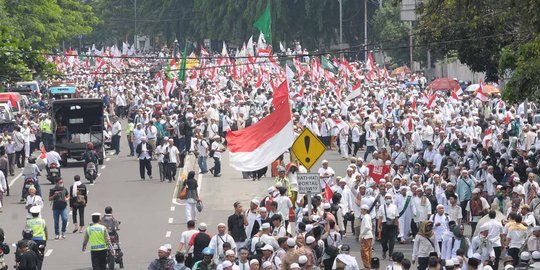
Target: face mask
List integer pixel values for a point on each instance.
(388, 201)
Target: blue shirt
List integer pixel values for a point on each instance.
(464, 189)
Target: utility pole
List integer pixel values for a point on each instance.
(411, 46)
(365, 31)
(340, 24)
(135, 21)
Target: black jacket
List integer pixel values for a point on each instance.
(149, 148)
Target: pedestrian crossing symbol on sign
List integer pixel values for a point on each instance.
(308, 148)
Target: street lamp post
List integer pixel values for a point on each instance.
(340, 24)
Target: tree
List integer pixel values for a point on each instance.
(523, 65)
(391, 33)
(476, 30)
(45, 23)
(314, 23)
(17, 60)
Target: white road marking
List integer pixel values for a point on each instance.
(14, 179)
(48, 253)
(172, 208)
(199, 182)
(168, 234)
(170, 220)
(103, 167)
(107, 159)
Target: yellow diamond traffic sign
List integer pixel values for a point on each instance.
(308, 148)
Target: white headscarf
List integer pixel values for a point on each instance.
(74, 189)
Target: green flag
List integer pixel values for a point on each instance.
(264, 24)
(182, 72)
(326, 64)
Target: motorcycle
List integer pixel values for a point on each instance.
(53, 174)
(91, 172)
(115, 254)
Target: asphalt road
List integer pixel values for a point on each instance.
(149, 213)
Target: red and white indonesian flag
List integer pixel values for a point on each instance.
(257, 146)
(356, 91)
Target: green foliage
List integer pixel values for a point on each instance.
(17, 61)
(391, 33)
(478, 30)
(314, 23)
(45, 23)
(524, 64)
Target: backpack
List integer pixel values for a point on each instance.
(432, 218)
(248, 245)
(80, 200)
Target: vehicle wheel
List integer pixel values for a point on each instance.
(110, 262)
(121, 264)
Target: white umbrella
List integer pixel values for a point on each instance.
(472, 87)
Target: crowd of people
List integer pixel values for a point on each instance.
(454, 173)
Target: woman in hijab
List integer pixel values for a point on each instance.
(78, 198)
(192, 196)
(424, 244)
(457, 242)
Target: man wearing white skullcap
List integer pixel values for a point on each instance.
(481, 245)
(144, 152)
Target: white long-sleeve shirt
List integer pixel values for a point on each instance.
(366, 231)
(422, 247)
(482, 247)
(450, 245)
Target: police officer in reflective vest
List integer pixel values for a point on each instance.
(46, 131)
(38, 226)
(98, 238)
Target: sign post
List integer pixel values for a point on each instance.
(309, 183)
(308, 148)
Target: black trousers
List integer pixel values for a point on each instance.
(495, 264)
(388, 238)
(463, 206)
(145, 164)
(356, 147)
(99, 259)
(20, 157)
(170, 171)
(115, 143)
(348, 217)
(80, 211)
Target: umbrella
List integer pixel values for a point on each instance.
(492, 89)
(443, 84)
(399, 70)
(489, 88)
(411, 83)
(472, 87)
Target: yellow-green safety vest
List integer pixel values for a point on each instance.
(37, 225)
(45, 126)
(96, 237)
